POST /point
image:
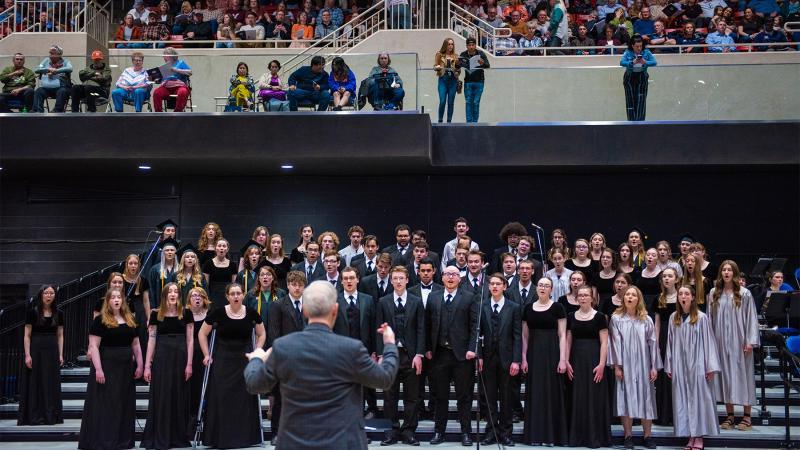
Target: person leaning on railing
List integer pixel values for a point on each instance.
(132, 85)
(96, 79)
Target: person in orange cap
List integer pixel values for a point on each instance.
(96, 81)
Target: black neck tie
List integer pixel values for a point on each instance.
(475, 283)
(297, 312)
(524, 293)
(495, 321)
(514, 251)
(449, 299)
(428, 287)
(333, 282)
(309, 271)
(352, 301)
(496, 310)
(400, 308)
(369, 266)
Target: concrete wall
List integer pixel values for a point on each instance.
(39, 44)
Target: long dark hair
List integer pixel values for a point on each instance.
(637, 38)
(38, 306)
(339, 69)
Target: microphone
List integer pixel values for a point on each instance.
(537, 226)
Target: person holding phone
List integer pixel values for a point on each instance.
(446, 67)
(636, 60)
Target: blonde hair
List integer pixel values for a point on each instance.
(200, 291)
(332, 235)
(180, 277)
(641, 311)
(125, 270)
(107, 314)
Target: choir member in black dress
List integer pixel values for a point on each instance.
(248, 275)
(710, 271)
(40, 385)
(625, 261)
(649, 281)
(115, 282)
(168, 367)
(137, 290)
(259, 238)
(189, 274)
(570, 300)
(544, 359)
(219, 271)
(597, 243)
(109, 412)
(207, 244)
(501, 327)
(604, 278)
(298, 254)
(231, 416)
(636, 241)
(581, 260)
(197, 306)
(264, 292)
(163, 272)
(558, 241)
(587, 349)
(275, 258)
(664, 307)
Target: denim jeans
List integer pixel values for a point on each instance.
(472, 97)
(321, 98)
(399, 17)
(447, 95)
(138, 97)
(60, 94)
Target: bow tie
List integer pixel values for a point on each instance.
(425, 287)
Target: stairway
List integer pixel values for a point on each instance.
(766, 433)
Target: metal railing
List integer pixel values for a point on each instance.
(467, 25)
(57, 16)
(76, 301)
(503, 49)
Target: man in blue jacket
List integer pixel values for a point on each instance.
(309, 84)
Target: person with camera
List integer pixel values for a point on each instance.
(447, 69)
(636, 60)
(385, 87)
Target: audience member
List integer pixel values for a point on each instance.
(288, 16)
(337, 17)
(530, 41)
(541, 23)
(750, 26)
(212, 12)
(197, 30)
(635, 9)
(342, 82)
(518, 27)
(763, 8)
(692, 12)
(660, 37)
(301, 31)
(270, 89)
(557, 32)
(645, 25)
(183, 19)
(139, 13)
(132, 85)
(163, 15)
(46, 23)
(130, 32)
(506, 46)
(582, 39)
(687, 37)
(609, 40)
(721, 39)
(447, 70)
(242, 90)
(309, 84)
(18, 84)
(226, 32)
(311, 11)
(279, 28)
(620, 21)
(155, 30)
(516, 6)
(251, 31)
(609, 7)
(55, 72)
(769, 35)
(236, 11)
(96, 79)
(177, 83)
(384, 85)
(473, 79)
(709, 6)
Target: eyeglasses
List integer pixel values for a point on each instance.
(543, 285)
(450, 274)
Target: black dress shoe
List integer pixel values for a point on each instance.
(648, 442)
(411, 440)
(438, 438)
(488, 440)
(628, 442)
(274, 441)
(466, 440)
(507, 442)
(517, 418)
(391, 439)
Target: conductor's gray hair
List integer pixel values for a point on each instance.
(318, 299)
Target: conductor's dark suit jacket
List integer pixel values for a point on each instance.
(321, 376)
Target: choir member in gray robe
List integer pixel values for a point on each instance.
(735, 327)
(691, 361)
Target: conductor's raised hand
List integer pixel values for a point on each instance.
(387, 332)
(257, 353)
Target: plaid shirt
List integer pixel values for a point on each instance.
(157, 32)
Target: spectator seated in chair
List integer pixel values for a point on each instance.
(139, 13)
(582, 39)
(687, 36)
(659, 37)
(155, 30)
(541, 24)
(176, 83)
(309, 84)
(610, 39)
(722, 39)
(337, 17)
(96, 79)
(518, 27)
(531, 41)
(132, 85)
(506, 46)
(197, 30)
(183, 19)
(609, 7)
(18, 84)
(270, 89)
(250, 31)
(280, 28)
(47, 24)
(769, 35)
(384, 86)
(164, 16)
(645, 25)
(342, 82)
(325, 26)
(56, 82)
(242, 90)
(129, 31)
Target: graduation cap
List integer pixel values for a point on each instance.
(169, 241)
(167, 223)
(642, 234)
(250, 243)
(188, 248)
(686, 237)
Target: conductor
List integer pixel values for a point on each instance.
(321, 376)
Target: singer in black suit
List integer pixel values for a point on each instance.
(510, 234)
(366, 263)
(451, 317)
(405, 314)
(401, 251)
(427, 286)
(356, 319)
(501, 355)
(321, 375)
(378, 284)
(312, 267)
(472, 281)
(523, 288)
(285, 317)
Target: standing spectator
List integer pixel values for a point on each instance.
(636, 60)
(342, 82)
(56, 82)
(325, 26)
(18, 84)
(175, 83)
(310, 84)
(337, 17)
(132, 85)
(722, 39)
(473, 79)
(96, 80)
(558, 29)
(582, 40)
(385, 87)
(139, 13)
(128, 31)
(446, 67)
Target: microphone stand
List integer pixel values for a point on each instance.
(143, 263)
(541, 247)
(479, 373)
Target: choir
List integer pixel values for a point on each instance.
(628, 333)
